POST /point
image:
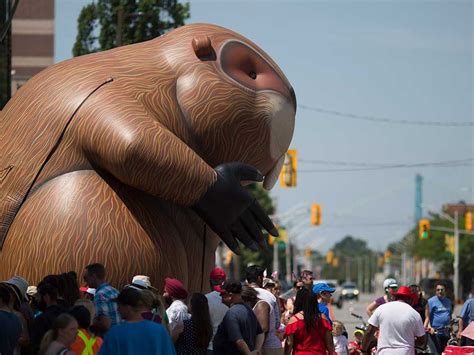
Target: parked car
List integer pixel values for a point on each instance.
(337, 298)
(350, 291)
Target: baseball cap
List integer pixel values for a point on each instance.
(217, 274)
(390, 283)
(90, 291)
(322, 286)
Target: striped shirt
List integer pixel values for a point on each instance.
(104, 304)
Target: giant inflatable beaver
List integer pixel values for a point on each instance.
(134, 157)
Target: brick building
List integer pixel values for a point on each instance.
(32, 40)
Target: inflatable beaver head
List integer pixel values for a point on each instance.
(235, 99)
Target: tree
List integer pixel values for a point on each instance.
(434, 249)
(140, 20)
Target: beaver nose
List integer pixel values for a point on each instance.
(293, 97)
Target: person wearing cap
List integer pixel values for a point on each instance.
(388, 286)
(10, 324)
(239, 332)
(355, 345)
(107, 313)
(270, 322)
(175, 295)
(217, 309)
(400, 325)
(440, 312)
(135, 335)
(324, 293)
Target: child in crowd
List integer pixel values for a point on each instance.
(340, 341)
(355, 346)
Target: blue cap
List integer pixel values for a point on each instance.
(322, 286)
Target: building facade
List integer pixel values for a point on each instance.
(32, 40)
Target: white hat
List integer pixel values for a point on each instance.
(19, 285)
(141, 282)
(390, 283)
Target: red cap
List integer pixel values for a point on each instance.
(217, 274)
(404, 291)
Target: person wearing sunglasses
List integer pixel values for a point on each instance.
(389, 285)
(440, 312)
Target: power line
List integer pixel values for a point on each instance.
(386, 120)
(366, 166)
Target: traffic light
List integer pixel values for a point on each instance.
(387, 256)
(335, 262)
(468, 221)
(330, 257)
(423, 229)
(308, 252)
(449, 243)
(288, 171)
(315, 214)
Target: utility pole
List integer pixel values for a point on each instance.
(288, 260)
(5, 52)
(456, 257)
(276, 261)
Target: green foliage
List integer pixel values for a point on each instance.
(351, 246)
(142, 20)
(434, 249)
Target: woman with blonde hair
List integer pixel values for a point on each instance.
(59, 338)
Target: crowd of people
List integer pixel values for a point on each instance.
(59, 317)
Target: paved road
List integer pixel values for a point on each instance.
(344, 314)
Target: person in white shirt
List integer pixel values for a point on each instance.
(340, 341)
(272, 344)
(401, 327)
(217, 309)
(175, 295)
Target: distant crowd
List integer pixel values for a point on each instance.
(59, 317)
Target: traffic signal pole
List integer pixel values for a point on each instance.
(456, 257)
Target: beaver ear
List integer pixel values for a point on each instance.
(203, 48)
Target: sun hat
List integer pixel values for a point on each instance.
(388, 283)
(19, 286)
(321, 287)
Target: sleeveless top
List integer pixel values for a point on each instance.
(271, 339)
(186, 343)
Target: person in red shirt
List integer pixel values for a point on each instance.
(355, 346)
(308, 331)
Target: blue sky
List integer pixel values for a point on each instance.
(400, 60)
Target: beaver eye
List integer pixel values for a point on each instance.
(253, 75)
